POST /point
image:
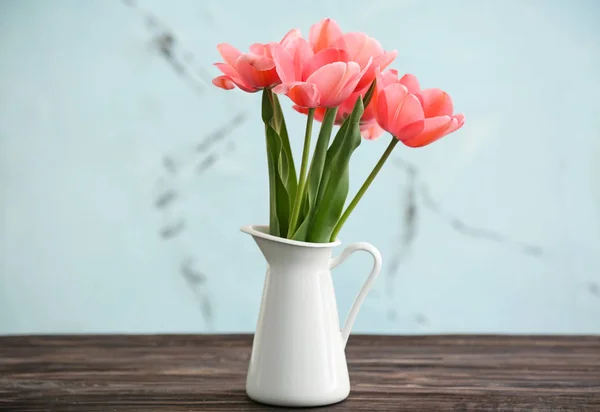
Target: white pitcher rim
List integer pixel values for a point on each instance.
(260, 231)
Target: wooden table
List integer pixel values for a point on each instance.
(207, 373)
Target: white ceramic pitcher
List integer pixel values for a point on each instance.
(298, 354)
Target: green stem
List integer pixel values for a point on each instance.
(302, 182)
(363, 188)
(266, 115)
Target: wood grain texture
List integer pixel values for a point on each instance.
(388, 373)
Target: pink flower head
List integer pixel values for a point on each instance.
(324, 34)
(322, 79)
(415, 117)
(439, 118)
(360, 47)
(370, 129)
(252, 71)
(399, 112)
(368, 122)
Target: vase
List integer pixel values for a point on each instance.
(298, 357)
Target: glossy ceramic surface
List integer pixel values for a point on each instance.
(298, 354)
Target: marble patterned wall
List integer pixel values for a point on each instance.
(125, 176)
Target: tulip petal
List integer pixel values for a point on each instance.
(284, 64)
(393, 96)
(433, 129)
(290, 35)
(399, 112)
(331, 79)
(290, 60)
(319, 112)
(371, 131)
(381, 62)
(370, 111)
(323, 34)
(355, 84)
(248, 68)
(346, 107)
(360, 47)
(229, 53)
(408, 120)
(300, 109)
(381, 112)
(303, 54)
(457, 122)
(283, 88)
(303, 94)
(257, 62)
(224, 82)
(386, 59)
(410, 130)
(258, 49)
(230, 72)
(436, 103)
(325, 56)
(411, 83)
(385, 78)
(262, 50)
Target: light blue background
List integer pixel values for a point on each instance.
(97, 125)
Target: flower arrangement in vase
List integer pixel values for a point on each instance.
(338, 79)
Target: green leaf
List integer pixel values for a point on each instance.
(273, 221)
(369, 94)
(340, 137)
(267, 107)
(267, 115)
(318, 161)
(302, 230)
(334, 185)
(291, 179)
(282, 173)
(314, 174)
(282, 197)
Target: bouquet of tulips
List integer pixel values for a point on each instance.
(338, 79)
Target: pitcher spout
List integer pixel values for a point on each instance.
(292, 254)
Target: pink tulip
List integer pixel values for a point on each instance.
(399, 112)
(360, 47)
(439, 120)
(416, 125)
(370, 129)
(368, 122)
(309, 79)
(252, 71)
(324, 34)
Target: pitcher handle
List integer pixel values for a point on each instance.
(338, 260)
